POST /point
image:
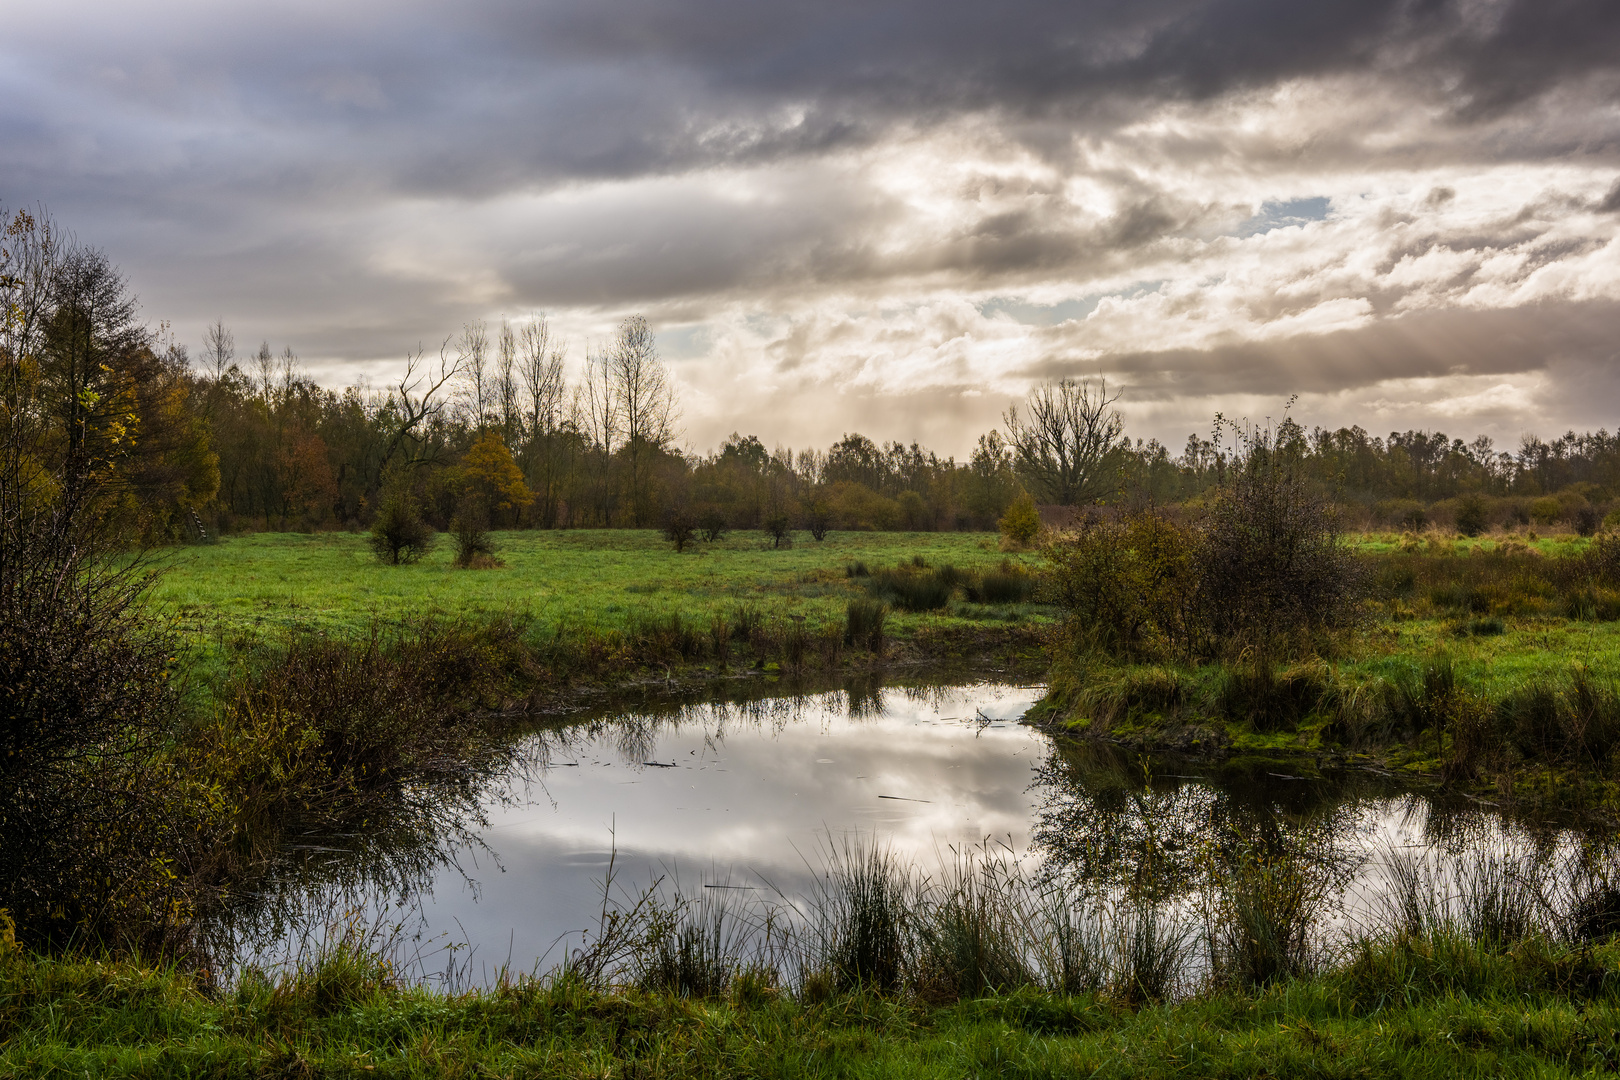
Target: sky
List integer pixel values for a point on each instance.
(891, 216)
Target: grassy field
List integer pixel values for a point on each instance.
(1541, 1013)
(263, 585)
(269, 583)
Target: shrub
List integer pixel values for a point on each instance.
(1546, 510)
(1408, 514)
(471, 528)
(679, 527)
(365, 717)
(818, 518)
(1471, 515)
(712, 523)
(1130, 587)
(399, 534)
(777, 527)
(1270, 560)
(1022, 522)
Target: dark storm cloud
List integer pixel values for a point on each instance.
(476, 98)
(920, 55)
(1423, 345)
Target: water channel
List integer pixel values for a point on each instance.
(750, 794)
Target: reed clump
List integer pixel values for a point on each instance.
(864, 622)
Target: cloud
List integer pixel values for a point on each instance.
(902, 212)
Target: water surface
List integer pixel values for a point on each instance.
(749, 795)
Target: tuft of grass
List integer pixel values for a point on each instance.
(906, 589)
(864, 621)
(860, 934)
(1007, 584)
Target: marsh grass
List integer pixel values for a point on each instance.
(1261, 917)
(975, 928)
(858, 934)
(693, 946)
(912, 589)
(1271, 700)
(887, 970)
(1494, 899)
(864, 622)
(1506, 579)
(1149, 947)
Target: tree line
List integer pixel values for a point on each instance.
(217, 440)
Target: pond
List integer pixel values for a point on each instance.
(752, 795)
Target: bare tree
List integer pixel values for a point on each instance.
(264, 363)
(472, 358)
(506, 387)
(30, 250)
(647, 402)
(540, 367)
(598, 414)
(543, 388)
(418, 403)
(292, 373)
(219, 349)
(1068, 450)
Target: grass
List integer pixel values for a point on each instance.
(117, 1020)
(932, 977)
(267, 584)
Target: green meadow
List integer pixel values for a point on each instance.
(271, 582)
(262, 586)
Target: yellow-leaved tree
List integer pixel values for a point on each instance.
(488, 474)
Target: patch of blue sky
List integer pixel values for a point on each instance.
(1039, 314)
(684, 342)
(1028, 314)
(1280, 215)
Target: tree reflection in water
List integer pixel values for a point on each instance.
(1107, 820)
